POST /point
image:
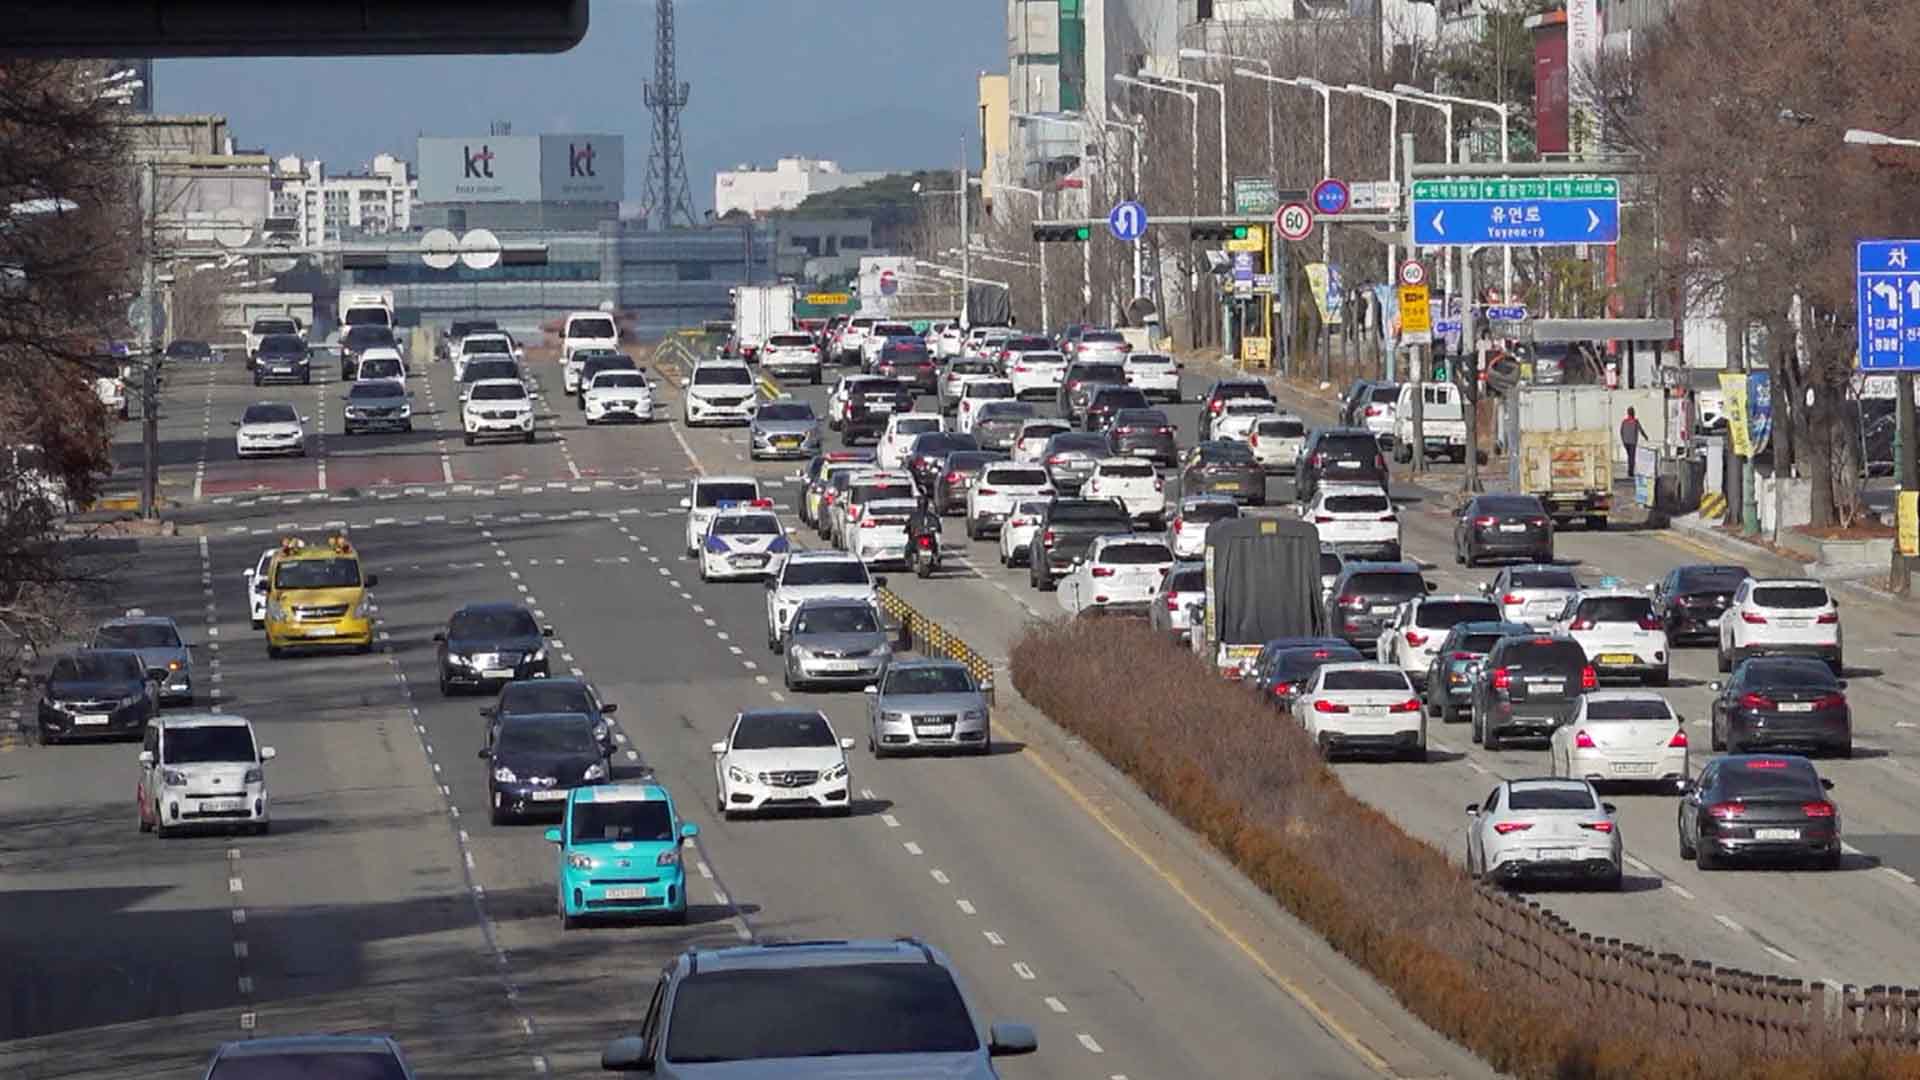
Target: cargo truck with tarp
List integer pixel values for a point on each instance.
(1262, 582)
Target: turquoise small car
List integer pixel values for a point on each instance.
(620, 853)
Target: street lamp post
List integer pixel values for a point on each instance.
(1193, 166)
(1133, 192)
(1266, 66)
(1305, 82)
(1445, 108)
(1086, 251)
(1504, 111)
(1393, 176)
(1039, 209)
(1225, 201)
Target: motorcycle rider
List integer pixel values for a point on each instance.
(924, 521)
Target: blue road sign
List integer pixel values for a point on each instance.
(1331, 196)
(1516, 221)
(1243, 266)
(1507, 313)
(1127, 220)
(1887, 288)
(1447, 326)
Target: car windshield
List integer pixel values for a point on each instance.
(379, 367)
(1330, 563)
(866, 493)
(1399, 586)
(1543, 578)
(620, 380)
(782, 410)
(1241, 389)
(722, 375)
(1386, 393)
(1365, 679)
(317, 574)
(1016, 477)
(275, 326)
(591, 328)
(1128, 471)
(484, 345)
(1769, 778)
(1192, 579)
(1615, 609)
(1561, 657)
(1283, 428)
(1226, 453)
(499, 392)
(818, 1012)
(1712, 578)
(1084, 443)
(1112, 373)
(303, 1065)
(791, 341)
(365, 337)
(1789, 671)
(826, 572)
(1043, 431)
(1437, 613)
(837, 619)
(1550, 797)
(1221, 511)
(212, 742)
(491, 625)
(915, 425)
(709, 495)
(769, 731)
(1010, 412)
(638, 821)
(1647, 708)
(98, 667)
(545, 696)
(1480, 644)
(1350, 447)
(269, 414)
(1792, 597)
(1507, 504)
(747, 525)
(357, 316)
(894, 330)
(1358, 504)
(136, 636)
(380, 389)
(1251, 408)
(987, 388)
(1296, 665)
(1149, 360)
(523, 734)
(1135, 554)
(971, 367)
(282, 343)
(491, 369)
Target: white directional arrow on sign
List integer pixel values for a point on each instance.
(1888, 292)
(1437, 227)
(1593, 219)
(1913, 295)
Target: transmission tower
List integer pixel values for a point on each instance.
(666, 197)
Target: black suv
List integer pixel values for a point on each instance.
(282, 356)
(1367, 596)
(1066, 530)
(928, 452)
(956, 475)
(1222, 391)
(1527, 686)
(1083, 378)
(869, 408)
(357, 340)
(1338, 456)
(1690, 600)
(1109, 400)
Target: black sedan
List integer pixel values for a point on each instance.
(487, 645)
(928, 453)
(283, 357)
(1511, 526)
(1110, 400)
(1783, 703)
(1280, 675)
(1069, 458)
(961, 469)
(1758, 806)
(535, 759)
(1143, 433)
(908, 360)
(566, 694)
(1691, 599)
(96, 693)
(1221, 467)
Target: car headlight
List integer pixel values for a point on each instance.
(581, 862)
(254, 775)
(173, 778)
(799, 652)
(893, 717)
(739, 775)
(596, 771)
(504, 775)
(977, 714)
(362, 606)
(132, 699)
(670, 857)
(600, 732)
(538, 656)
(838, 772)
(275, 610)
(355, 410)
(457, 660)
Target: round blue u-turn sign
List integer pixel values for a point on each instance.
(1331, 196)
(1127, 220)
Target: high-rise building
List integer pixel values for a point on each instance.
(343, 206)
(783, 187)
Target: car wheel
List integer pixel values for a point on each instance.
(1596, 523)
(1845, 749)
(261, 828)
(469, 438)
(145, 825)
(1659, 678)
(160, 829)
(1704, 859)
(259, 624)
(1720, 659)
(1831, 860)
(529, 436)
(1736, 657)
(1716, 738)
(1614, 882)
(1474, 732)
(406, 425)
(274, 652)
(1686, 849)
(1490, 739)
(446, 688)
(972, 533)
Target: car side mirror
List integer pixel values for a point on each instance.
(1826, 784)
(546, 631)
(626, 1054)
(1653, 588)
(609, 708)
(689, 830)
(1006, 1040)
(1716, 687)
(846, 743)
(488, 711)
(1473, 809)
(879, 583)
(718, 748)
(484, 754)
(158, 674)
(1843, 684)
(235, 423)
(771, 584)
(373, 580)
(146, 757)
(686, 504)
(553, 836)
(1685, 786)
(1432, 586)
(870, 690)
(268, 753)
(1608, 807)
(440, 637)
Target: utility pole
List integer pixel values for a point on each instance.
(1417, 357)
(149, 351)
(1901, 580)
(1470, 385)
(966, 245)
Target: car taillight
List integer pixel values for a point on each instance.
(1829, 618)
(1389, 516)
(1483, 522)
(1178, 524)
(1253, 439)
(1409, 705)
(1726, 810)
(1755, 701)
(1328, 706)
(985, 491)
(1512, 598)
(1502, 678)
(1830, 701)
(1597, 826)
(1173, 603)
(1018, 368)
(1282, 689)
(1650, 623)
(953, 478)
(1588, 680)
(1464, 656)
(1103, 571)
(1164, 431)
(1414, 637)
(1316, 459)
(1821, 809)
(1353, 601)
(1046, 538)
(1537, 521)
(1057, 459)
(1580, 624)
(1750, 617)
(1159, 484)
(1215, 406)
(1505, 827)
(1380, 462)
(1679, 740)
(1322, 519)
(1582, 740)
(1374, 410)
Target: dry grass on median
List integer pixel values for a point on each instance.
(1248, 780)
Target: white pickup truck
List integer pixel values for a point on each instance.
(1442, 423)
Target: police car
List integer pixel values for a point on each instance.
(704, 501)
(743, 542)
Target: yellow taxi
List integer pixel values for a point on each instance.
(317, 597)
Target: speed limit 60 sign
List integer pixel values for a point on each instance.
(1293, 221)
(1413, 273)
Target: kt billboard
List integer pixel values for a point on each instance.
(522, 168)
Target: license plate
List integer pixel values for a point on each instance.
(636, 892)
(1513, 528)
(1633, 768)
(1543, 680)
(1714, 621)
(1796, 706)
(222, 806)
(321, 631)
(1143, 451)
(1385, 609)
(839, 665)
(496, 673)
(1616, 659)
(91, 718)
(1226, 486)
(549, 795)
(1776, 834)
(786, 442)
(941, 730)
(1556, 853)
(882, 407)
(748, 560)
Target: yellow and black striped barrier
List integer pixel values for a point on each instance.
(932, 639)
(1713, 504)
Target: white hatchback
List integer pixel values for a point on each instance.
(1135, 483)
(1000, 487)
(880, 533)
(1355, 519)
(974, 394)
(1187, 531)
(1156, 375)
(1037, 374)
(1622, 736)
(1620, 633)
(270, 427)
(204, 770)
(1276, 441)
(1781, 617)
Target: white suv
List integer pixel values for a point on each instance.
(1118, 572)
(1620, 633)
(709, 496)
(1001, 487)
(1135, 483)
(497, 407)
(1037, 374)
(202, 769)
(718, 394)
(815, 575)
(902, 429)
(1781, 616)
(1413, 637)
(792, 355)
(1355, 519)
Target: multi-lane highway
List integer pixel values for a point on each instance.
(384, 900)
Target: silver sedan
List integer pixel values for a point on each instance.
(927, 705)
(836, 641)
(786, 428)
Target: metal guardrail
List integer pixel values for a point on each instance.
(932, 639)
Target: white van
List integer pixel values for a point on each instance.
(584, 330)
(1442, 422)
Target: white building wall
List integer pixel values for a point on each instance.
(783, 187)
(329, 208)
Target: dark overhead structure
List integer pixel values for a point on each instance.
(666, 197)
(164, 28)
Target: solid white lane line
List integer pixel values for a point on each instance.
(1778, 954)
(1729, 923)
(1680, 891)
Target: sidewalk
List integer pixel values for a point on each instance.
(1795, 550)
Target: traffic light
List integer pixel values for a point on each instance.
(1216, 233)
(1047, 234)
(1439, 369)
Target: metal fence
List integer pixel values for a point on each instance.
(932, 639)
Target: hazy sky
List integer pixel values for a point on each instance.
(870, 83)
